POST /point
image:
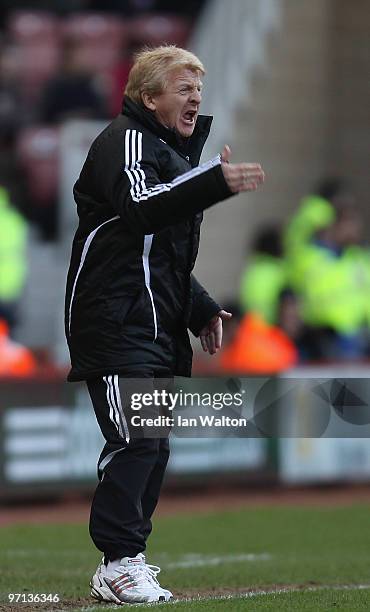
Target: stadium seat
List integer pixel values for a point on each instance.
(38, 61)
(94, 28)
(97, 58)
(158, 29)
(35, 63)
(101, 39)
(38, 155)
(35, 40)
(25, 27)
(116, 81)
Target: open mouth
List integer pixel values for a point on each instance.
(189, 117)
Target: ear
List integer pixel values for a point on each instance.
(149, 101)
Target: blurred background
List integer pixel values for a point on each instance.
(288, 85)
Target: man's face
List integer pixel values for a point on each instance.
(178, 106)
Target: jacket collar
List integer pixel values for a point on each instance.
(188, 147)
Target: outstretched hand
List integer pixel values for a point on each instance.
(211, 334)
(240, 177)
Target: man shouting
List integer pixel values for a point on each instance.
(131, 295)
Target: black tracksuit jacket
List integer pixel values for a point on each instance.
(131, 295)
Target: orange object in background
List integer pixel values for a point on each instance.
(258, 348)
(15, 359)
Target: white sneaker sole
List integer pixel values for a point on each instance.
(102, 592)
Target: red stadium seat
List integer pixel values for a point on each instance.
(94, 28)
(98, 58)
(36, 44)
(38, 154)
(100, 38)
(27, 27)
(159, 29)
(116, 82)
(38, 61)
(35, 63)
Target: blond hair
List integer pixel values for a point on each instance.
(152, 68)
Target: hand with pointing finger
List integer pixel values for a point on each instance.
(243, 176)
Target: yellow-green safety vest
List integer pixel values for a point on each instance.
(261, 284)
(13, 237)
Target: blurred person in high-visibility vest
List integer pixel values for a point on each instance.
(315, 213)
(329, 269)
(13, 268)
(264, 276)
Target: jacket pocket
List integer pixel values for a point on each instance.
(132, 311)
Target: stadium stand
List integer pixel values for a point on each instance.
(155, 30)
(35, 37)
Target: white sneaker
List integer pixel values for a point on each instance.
(132, 581)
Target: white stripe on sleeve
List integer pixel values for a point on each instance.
(139, 192)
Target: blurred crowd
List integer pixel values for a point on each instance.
(305, 290)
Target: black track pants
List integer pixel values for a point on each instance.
(130, 470)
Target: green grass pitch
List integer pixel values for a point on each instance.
(318, 558)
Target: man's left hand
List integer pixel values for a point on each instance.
(211, 334)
